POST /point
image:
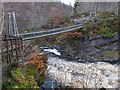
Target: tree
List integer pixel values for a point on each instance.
(75, 8)
(1, 24)
(1, 18)
(57, 17)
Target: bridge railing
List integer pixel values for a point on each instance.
(50, 30)
(14, 41)
(43, 33)
(53, 33)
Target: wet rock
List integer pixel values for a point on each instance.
(49, 84)
(89, 51)
(76, 74)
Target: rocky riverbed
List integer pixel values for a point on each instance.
(79, 74)
(84, 64)
(83, 75)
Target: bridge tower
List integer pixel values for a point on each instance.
(13, 43)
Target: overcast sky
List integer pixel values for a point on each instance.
(68, 2)
(64, 1)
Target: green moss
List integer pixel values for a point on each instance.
(15, 78)
(18, 74)
(31, 71)
(112, 53)
(30, 82)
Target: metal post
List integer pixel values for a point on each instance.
(16, 35)
(12, 47)
(10, 33)
(15, 25)
(7, 49)
(9, 24)
(22, 49)
(8, 36)
(16, 48)
(2, 49)
(19, 45)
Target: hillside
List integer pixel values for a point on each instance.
(96, 6)
(35, 14)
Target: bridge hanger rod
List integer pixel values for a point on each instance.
(45, 35)
(9, 24)
(15, 24)
(50, 30)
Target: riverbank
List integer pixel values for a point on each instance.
(89, 63)
(25, 74)
(91, 50)
(79, 74)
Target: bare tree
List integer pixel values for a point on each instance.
(1, 28)
(1, 24)
(1, 17)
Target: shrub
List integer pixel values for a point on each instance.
(90, 29)
(70, 35)
(67, 21)
(16, 76)
(106, 27)
(104, 22)
(105, 14)
(106, 32)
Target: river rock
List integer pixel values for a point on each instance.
(79, 75)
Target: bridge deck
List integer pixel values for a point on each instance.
(53, 33)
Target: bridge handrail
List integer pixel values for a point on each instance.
(52, 33)
(49, 30)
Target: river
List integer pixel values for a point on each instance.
(77, 74)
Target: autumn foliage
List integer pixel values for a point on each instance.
(39, 62)
(70, 35)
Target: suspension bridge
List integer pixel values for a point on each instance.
(13, 40)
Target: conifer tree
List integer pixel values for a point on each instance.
(75, 8)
